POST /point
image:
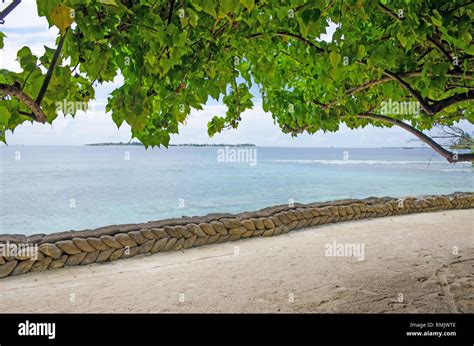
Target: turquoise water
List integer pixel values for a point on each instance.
(58, 188)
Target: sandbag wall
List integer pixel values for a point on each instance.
(123, 241)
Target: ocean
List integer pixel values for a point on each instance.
(46, 189)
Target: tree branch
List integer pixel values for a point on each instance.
(170, 14)
(448, 155)
(386, 79)
(410, 90)
(441, 49)
(451, 100)
(51, 67)
(389, 12)
(430, 39)
(289, 34)
(37, 112)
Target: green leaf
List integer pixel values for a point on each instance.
(108, 2)
(5, 115)
(248, 4)
(335, 59)
(62, 17)
(209, 6)
(402, 38)
(2, 35)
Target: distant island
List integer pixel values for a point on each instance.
(174, 145)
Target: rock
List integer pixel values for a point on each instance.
(314, 212)
(249, 225)
(159, 245)
(104, 255)
(207, 228)
(219, 227)
(68, 247)
(91, 257)
(172, 232)
(2, 260)
(51, 250)
(110, 242)
(159, 233)
(257, 233)
(137, 237)
(74, 260)
(98, 244)
(7, 268)
(23, 267)
(41, 265)
(195, 229)
(58, 263)
(231, 222)
(125, 240)
(189, 242)
(83, 245)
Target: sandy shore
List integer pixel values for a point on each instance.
(408, 266)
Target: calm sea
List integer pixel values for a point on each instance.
(47, 189)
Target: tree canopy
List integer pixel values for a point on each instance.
(176, 54)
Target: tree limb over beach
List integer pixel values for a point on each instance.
(174, 56)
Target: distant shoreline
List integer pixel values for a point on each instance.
(172, 145)
(210, 145)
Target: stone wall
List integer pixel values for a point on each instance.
(123, 241)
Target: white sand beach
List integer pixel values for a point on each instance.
(411, 263)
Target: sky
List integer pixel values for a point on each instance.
(24, 27)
